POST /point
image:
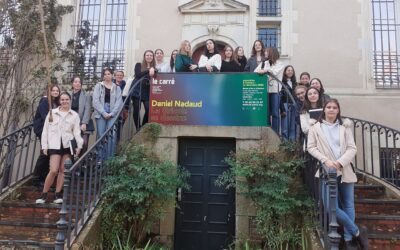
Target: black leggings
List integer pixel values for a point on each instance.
(136, 112)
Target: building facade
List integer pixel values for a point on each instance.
(355, 52)
(352, 46)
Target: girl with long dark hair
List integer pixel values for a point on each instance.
(316, 83)
(210, 61)
(42, 163)
(239, 53)
(257, 56)
(288, 108)
(229, 62)
(81, 103)
(312, 100)
(172, 60)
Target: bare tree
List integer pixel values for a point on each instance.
(22, 56)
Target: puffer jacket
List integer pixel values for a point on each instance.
(61, 130)
(319, 148)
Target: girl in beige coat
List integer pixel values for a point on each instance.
(331, 142)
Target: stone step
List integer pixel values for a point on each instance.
(379, 223)
(29, 194)
(32, 213)
(368, 191)
(377, 206)
(45, 234)
(25, 244)
(384, 241)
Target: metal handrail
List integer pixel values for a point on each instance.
(292, 129)
(83, 181)
(323, 190)
(18, 151)
(378, 155)
(378, 150)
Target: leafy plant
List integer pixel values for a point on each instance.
(271, 180)
(138, 187)
(152, 131)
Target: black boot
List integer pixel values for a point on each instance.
(362, 238)
(351, 244)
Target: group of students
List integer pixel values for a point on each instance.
(70, 124)
(285, 118)
(330, 139)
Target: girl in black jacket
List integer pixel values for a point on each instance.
(42, 163)
(141, 92)
(287, 107)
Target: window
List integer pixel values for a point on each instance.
(269, 8)
(270, 36)
(269, 23)
(100, 38)
(386, 43)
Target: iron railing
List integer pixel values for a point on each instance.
(378, 150)
(18, 151)
(378, 155)
(288, 125)
(323, 190)
(83, 180)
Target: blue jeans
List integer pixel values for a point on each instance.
(345, 211)
(274, 101)
(102, 125)
(288, 123)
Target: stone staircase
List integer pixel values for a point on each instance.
(379, 212)
(26, 225)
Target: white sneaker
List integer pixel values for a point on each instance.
(58, 201)
(40, 201)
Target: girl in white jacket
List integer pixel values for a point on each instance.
(274, 66)
(56, 137)
(210, 61)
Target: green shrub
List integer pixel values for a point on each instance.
(152, 131)
(138, 188)
(271, 180)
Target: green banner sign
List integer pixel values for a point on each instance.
(217, 99)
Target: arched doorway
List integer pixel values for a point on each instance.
(200, 50)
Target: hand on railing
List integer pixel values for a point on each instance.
(286, 89)
(327, 170)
